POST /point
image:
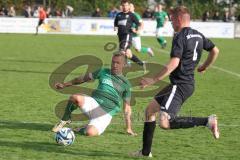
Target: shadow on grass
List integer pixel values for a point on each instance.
(54, 148)
(21, 125)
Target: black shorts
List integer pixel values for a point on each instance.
(125, 41)
(40, 22)
(172, 97)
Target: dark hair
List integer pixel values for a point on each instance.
(125, 1)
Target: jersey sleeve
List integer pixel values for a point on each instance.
(177, 47)
(127, 94)
(116, 21)
(96, 74)
(138, 17)
(207, 44)
(134, 19)
(165, 15)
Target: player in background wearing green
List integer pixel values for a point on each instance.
(162, 19)
(136, 40)
(105, 101)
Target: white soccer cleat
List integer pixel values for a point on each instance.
(213, 126)
(140, 155)
(60, 125)
(150, 52)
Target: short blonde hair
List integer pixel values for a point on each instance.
(179, 11)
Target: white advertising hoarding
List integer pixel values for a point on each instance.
(89, 26)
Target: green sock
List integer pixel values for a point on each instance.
(68, 111)
(161, 40)
(144, 50)
(82, 131)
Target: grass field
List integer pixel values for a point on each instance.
(28, 103)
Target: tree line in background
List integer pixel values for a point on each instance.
(87, 7)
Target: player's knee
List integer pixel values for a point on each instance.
(164, 120)
(149, 115)
(128, 53)
(78, 99)
(138, 49)
(91, 131)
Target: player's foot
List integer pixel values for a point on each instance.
(164, 45)
(150, 52)
(139, 154)
(144, 67)
(78, 129)
(60, 125)
(213, 125)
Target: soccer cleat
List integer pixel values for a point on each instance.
(60, 125)
(139, 154)
(213, 125)
(150, 52)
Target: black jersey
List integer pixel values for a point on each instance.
(124, 22)
(188, 45)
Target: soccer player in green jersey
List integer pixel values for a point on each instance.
(161, 18)
(136, 40)
(113, 90)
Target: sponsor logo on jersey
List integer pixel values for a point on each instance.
(122, 22)
(193, 36)
(108, 82)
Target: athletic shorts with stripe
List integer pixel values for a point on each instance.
(125, 41)
(172, 97)
(98, 118)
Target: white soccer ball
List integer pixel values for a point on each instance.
(65, 136)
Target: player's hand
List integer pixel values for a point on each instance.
(131, 133)
(201, 69)
(134, 30)
(146, 82)
(59, 85)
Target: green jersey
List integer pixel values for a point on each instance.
(139, 18)
(160, 18)
(111, 90)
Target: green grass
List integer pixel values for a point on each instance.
(28, 103)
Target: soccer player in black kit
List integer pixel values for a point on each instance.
(185, 55)
(123, 23)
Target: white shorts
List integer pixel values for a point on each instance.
(97, 116)
(159, 31)
(136, 41)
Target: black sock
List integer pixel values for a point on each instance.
(148, 132)
(187, 122)
(136, 60)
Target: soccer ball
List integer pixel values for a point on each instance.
(65, 136)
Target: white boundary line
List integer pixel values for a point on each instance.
(114, 123)
(214, 67)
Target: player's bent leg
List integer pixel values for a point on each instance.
(152, 109)
(129, 53)
(78, 99)
(164, 120)
(75, 101)
(149, 126)
(91, 131)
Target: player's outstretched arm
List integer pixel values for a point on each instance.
(127, 116)
(75, 81)
(169, 68)
(212, 56)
